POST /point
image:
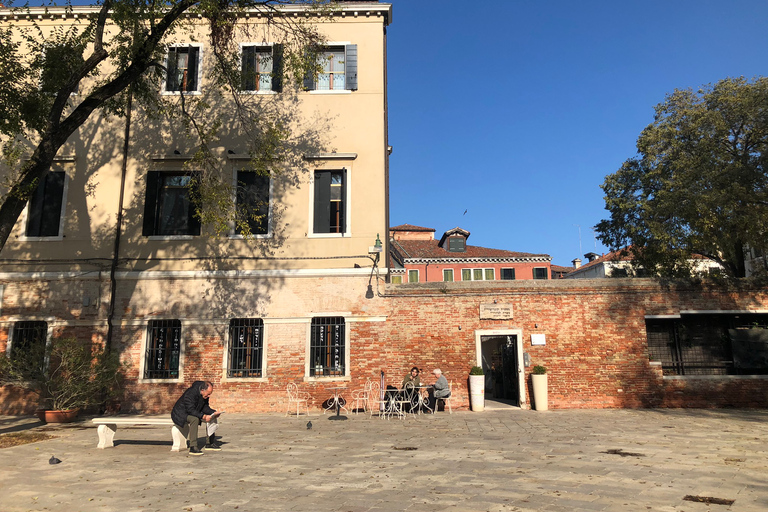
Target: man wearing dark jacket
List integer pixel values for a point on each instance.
(192, 409)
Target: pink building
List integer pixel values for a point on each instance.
(417, 257)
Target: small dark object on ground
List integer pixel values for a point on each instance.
(309, 425)
(708, 500)
(54, 460)
(404, 448)
(619, 451)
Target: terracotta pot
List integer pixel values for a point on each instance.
(54, 416)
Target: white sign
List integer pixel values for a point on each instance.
(495, 311)
(538, 339)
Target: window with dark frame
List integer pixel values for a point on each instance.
(45, 205)
(330, 201)
(253, 202)
(710, 344)
(540, 273)
(337, 69)
(327, 347)
(183, 64)
(457, 244)
(29, 339)
(168, 208)
(163, 349)
(507, 274)
(262, 68)
(246, 345)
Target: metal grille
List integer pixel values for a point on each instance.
(29, 338)
(163, 349)
(327, 347)
(245, 347)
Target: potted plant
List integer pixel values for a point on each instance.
(67, 375)
(477, 388)
(540, 391)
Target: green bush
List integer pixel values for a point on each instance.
(67, 374)
(476, 370)
(539, 370)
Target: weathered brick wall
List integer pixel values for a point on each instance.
(596, 350)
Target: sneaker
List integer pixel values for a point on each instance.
(195, 451)
(216, 447)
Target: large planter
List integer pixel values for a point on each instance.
(540, 399)
(56, 416)
(477, 392)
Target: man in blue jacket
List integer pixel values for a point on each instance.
(192, 409)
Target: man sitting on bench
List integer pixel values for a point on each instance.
(192, 409)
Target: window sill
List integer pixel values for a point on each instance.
(244, 379)
(58, 238)
(343, 91)
(171, 237)
(256, 237)
(179, 93)
(328, 235)
(178, 380)
(346, 378)
(259, 93)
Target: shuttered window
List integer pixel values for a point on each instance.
(168, 208)
(252, 203)
(337, 69)
(262, 68)
(330, 201)
(183, 65)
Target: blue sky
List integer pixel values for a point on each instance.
(516, 110)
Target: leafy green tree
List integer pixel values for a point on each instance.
(115, 59)
(698, 184)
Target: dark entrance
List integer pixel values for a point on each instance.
(500, 368)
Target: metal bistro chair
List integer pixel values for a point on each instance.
(375, 400)
(362, 396)
(297, 397)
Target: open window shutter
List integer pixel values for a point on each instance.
(322, 206)
(309, 78)
(350, 67)
(150, 203)
(194, 53)
(277, 68)
(343, 212)
(170, 80)
(247, 69)
(193, 222)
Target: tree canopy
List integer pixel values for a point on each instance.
(698, 184)
(115, 57)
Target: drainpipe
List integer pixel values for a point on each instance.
(119, 226)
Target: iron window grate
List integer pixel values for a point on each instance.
(245, 347)
(163, 349)
(327, 347)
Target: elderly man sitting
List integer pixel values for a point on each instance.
(440, 389)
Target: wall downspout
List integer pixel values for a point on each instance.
(119, 226)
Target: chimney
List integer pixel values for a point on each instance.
(576, 263)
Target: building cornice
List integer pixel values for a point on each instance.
(345, 10)
(422, 261)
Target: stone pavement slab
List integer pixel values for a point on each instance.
(497, 460)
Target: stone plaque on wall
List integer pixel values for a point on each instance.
(495, 311)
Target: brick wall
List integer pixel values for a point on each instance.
(596, 350)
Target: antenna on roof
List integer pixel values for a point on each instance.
(578, 226)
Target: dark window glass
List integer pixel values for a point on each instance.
(539, 273)
(182, 68)
(508, 274)
(163, 349)
(44, 216)
(327, 347)
(245, 347)
(330, 198)
(169, 209)
(253, 202)
(262, 68)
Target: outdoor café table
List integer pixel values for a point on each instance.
(422, 394)
(336, 399)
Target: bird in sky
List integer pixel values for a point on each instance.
(465, 212)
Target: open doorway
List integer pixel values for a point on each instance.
(499, 353)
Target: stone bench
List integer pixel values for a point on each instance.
(108, 427)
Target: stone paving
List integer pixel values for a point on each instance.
(497, 460)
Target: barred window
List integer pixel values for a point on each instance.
(327, 347)
(163, 349)
(29, 341)
(246, 347)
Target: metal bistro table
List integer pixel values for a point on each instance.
(422, 393)
(336, 401)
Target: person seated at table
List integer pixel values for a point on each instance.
(409, 389)
(440, 389)
(412, 377)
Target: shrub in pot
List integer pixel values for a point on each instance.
(477, 388)
(540, 388)
(67, 374)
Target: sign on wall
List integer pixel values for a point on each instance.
(495, 311)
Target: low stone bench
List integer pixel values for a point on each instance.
(108, 427)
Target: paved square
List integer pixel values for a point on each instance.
(497, 460)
